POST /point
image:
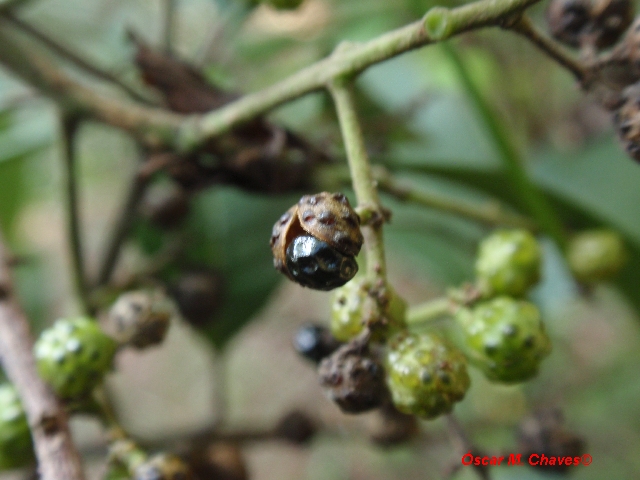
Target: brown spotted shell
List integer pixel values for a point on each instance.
(326, 216)
(329, 217)
(284, 231)
(627, 121)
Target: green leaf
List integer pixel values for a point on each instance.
(229, 230)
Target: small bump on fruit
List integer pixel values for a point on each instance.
(425, 374)
(508, 263)
(596, 255)
(505, 338)
(73, 355)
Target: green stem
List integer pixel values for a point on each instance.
(70, 127)
(122, 228)
(73, 57)
(491, 213)
(428, 311)
(525, 27)
(534, 200)
(364, 184)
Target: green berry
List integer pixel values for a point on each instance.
(596, 255)
(16, 449)
(425, 374)
(508, 263)
(505, 338)
(352, 305)
(73, 355)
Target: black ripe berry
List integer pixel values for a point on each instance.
(315, 264)
(314, 342)
(315, 242)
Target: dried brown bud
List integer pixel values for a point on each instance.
(353, 378)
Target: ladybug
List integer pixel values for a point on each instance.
(315, 242)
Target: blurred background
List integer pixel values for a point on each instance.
(419, 123)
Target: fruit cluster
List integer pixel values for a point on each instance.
(424, 374)
(73, 357)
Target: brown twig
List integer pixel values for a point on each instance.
(462, 444)
(70, 126)
(525, 27)
(57, 455)
(73, 57)
(155, 126)
(127, 214)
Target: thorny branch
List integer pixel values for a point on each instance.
(57, 456)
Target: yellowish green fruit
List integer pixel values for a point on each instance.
(426, 375)
(505, 338)
(350, 306)
(508, 263)
(596, 255)
(73, 356)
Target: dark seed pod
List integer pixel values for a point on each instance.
(314, 342)
(163, 467)
(544, 433)
(315, 242)
(599, 23)
(569, 20)
(353, 379)
(610, 20)
(627, 121)
(296, 427)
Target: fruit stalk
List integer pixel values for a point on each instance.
(364, 183)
